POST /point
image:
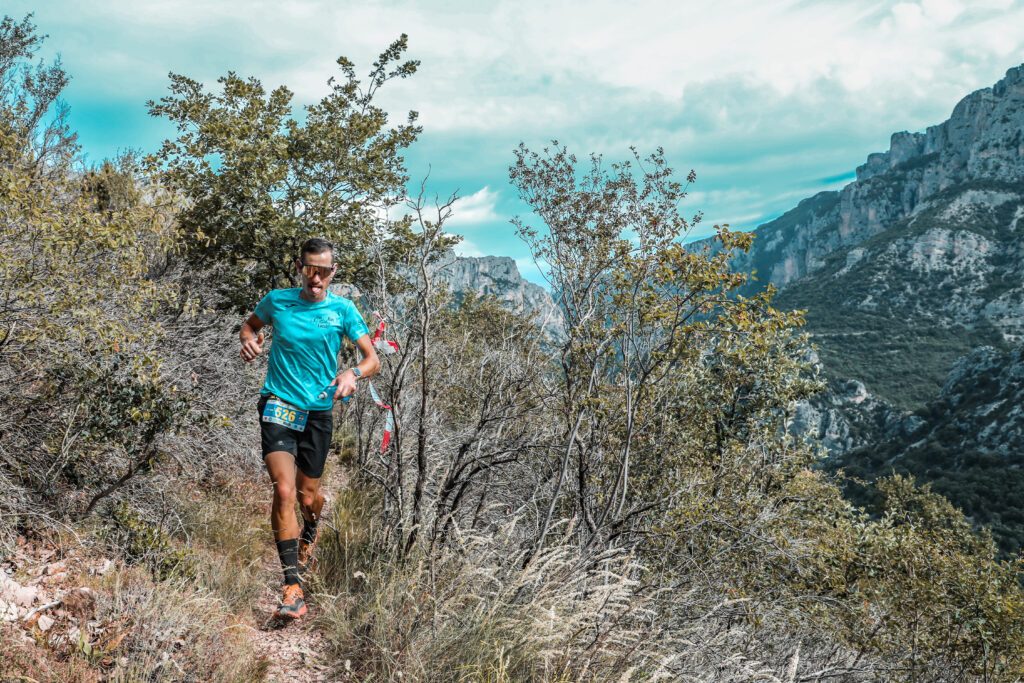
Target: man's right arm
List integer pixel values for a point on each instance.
(251, 338)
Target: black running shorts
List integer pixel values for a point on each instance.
(309, 446)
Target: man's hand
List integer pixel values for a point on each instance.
(252, 348)
(345, 383)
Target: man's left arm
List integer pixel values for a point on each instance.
(368, 367)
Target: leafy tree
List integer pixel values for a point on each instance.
(33, 120)
(257, 182)
(81, 396)
(664, 369)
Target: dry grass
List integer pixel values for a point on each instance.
(173, 630)
(228, 533)
(13, 503)
(28, 660)
(475, 614)
(200, 619)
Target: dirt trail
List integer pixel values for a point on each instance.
(294, 650)
(297, 651)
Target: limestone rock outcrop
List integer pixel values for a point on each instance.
(983, 140)
(499, 277)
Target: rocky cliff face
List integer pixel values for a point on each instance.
(981, 407)
(847, 416)
(498, 276)
(982, 140)
(915, 264)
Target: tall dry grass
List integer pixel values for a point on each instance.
(229, 536)
(476, 613)
(13, 505)
(173, 630)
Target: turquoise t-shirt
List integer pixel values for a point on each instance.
(306, 342)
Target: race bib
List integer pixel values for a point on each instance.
(285, 414)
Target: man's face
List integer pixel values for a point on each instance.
(316, 271)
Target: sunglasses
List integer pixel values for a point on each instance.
(323, 271)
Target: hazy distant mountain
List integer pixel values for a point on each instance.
(492, 276)
(913, 281)
(498, 276)
(918, 261)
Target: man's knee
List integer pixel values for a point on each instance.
(307, 498)
(284, 492)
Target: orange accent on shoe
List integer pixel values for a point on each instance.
(293, 604)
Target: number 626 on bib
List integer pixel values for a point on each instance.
(285, 414)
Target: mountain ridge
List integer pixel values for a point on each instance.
(981, 139)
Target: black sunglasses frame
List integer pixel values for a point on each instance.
(320, 270)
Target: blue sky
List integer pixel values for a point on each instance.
(769, 102)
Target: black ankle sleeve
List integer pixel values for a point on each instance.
(288, 551)
(309, 530)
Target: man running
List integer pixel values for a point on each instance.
(295, 402)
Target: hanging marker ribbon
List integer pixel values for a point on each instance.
(386, 347)
(389, 418)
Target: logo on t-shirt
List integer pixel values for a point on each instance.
(326, 320)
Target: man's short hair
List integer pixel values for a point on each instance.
(316, 245)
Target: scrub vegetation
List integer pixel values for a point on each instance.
(620, 505)
(898, 328)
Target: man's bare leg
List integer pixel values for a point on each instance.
(311, 503)
(281, 467)
(282, 470)
(311, 498)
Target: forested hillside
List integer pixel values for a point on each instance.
(966, 441)
(903, 274)
(622, 503)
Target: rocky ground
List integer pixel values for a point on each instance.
(48, 610)
(63, 616)
(293, 651)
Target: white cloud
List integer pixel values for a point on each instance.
(469, 249)
(730, 195)
(762, 99)
(942, 11)
(542, 64)
(908, 16)
(479, 207)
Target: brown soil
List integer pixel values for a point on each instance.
(48, 596)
